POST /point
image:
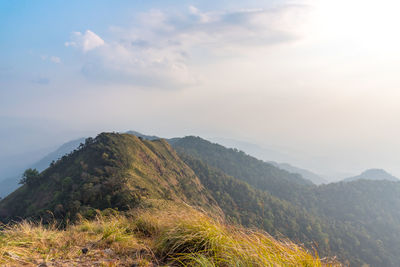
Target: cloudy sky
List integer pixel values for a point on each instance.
(318, 79)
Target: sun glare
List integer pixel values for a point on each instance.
(369, 25)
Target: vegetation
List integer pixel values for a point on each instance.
(30, 177)
(242, 204)
(110, 171)
(354, 221)
(257, 173)
(363, 218)
(162, 234)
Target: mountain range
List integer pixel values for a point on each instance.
(358, 221)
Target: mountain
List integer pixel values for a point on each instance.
(257, 173)
(260, 152)
(243, 204)
(308, 175)
(272, 156)
(356, 221)
(315, 178)
(373, 174)
(351, 224)
(8, 185)
(121, 171)
(110, 171)
(366, 217)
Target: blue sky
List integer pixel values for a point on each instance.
(286, 73)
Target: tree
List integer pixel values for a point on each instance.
(30, 177)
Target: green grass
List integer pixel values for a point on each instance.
(166, 234)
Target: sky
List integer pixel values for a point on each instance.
(316, 79)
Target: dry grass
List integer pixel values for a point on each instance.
(177, 236)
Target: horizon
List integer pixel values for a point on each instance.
(285, 75)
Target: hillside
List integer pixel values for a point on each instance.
(315, 178)
(9, 184)
(245, 205)
(110, 171)
(373, 174)
(257, 173)
(366, 217)
(271, 156)
(355, 229)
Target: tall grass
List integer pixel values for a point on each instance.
(173, 236)
(199, 240)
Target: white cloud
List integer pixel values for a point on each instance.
(87, 41)
(55, 59)
(162, 47)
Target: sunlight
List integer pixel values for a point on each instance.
(369, 25)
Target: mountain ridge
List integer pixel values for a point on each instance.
(373, 174)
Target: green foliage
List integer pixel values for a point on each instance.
(356, 221)
(363, 218)
(109, 171)
(257, 173)
(31, 177)
(243, 204)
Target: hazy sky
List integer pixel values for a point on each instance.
(317, 78)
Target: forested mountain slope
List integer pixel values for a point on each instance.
(366, 215)
(257, 173)
(315, 178)
(250, 207)
(359, 219)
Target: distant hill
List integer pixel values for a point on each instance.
(366, 216)
(255, 150)
(373, 174)
(271, 156)
(58, 153)
(257, 173)
(10, 184)
(315, 178)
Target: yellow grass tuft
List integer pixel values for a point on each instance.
(173, 235)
